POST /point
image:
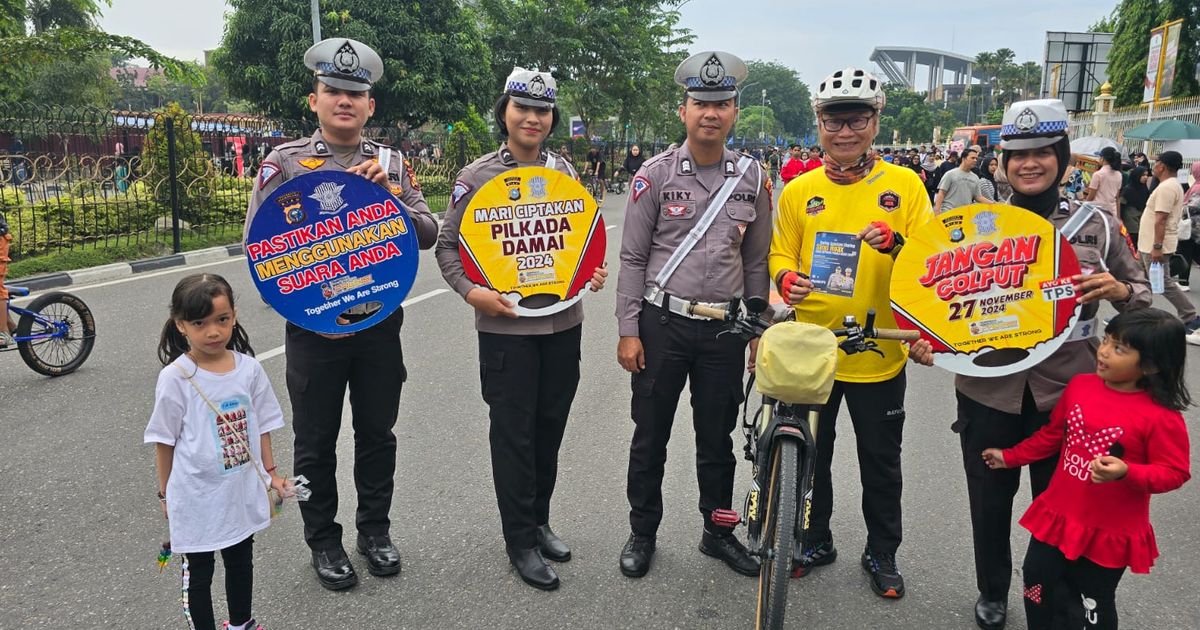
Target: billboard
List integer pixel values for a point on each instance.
(1160, 62)
(1076, 65)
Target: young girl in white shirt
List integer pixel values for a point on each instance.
(214, 410)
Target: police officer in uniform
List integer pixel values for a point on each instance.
(661, 345)
(999, 412)
(370, 362)
(528, 366)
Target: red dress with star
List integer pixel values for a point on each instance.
(1107, 523)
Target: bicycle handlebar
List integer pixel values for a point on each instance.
(752, 324)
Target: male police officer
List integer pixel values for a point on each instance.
(371, 362)
(661, 344)
(529, 366)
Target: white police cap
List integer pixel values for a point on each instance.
(531, 88)
(345, 64)
(711, 75)
(1033, 124)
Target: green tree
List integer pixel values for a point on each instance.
(757, 119)
(789, 97)
(435, 62)
(194, 172)
(607, 55)
(469, 139)
(42, 38)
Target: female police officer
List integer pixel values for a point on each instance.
(1001, 411)
(529, 366)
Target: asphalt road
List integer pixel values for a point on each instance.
(80, 525)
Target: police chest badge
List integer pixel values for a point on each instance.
(312, 164)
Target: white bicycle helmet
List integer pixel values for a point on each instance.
(849, 87)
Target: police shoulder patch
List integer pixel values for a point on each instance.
(266, 173)
(460, 189)
(412, 176)
(639, 186)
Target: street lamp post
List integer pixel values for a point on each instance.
(762, 128)
(743, 91)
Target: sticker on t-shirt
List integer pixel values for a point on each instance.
(814, 206)
(233, 438)
(889, 200)
(834, 263)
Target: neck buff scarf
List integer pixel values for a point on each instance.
(846, 174)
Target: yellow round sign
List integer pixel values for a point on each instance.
(535, 235)
(989, 286)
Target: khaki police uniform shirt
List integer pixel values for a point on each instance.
(1096, 241)
(469, 181)
(666, 200)
(314, 154)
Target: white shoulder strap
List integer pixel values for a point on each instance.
(1080, 218)
(550, 160)
(705, 222)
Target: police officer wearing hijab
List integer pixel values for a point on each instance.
(999, 412)
(662, 345)
(529, 366)
(370, 362)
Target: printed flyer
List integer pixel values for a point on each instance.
(989, 286)
(535, 235)
(332, 252)
(835, 263)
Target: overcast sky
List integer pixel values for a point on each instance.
(814, 38)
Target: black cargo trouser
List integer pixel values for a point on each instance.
(877, 412)
(991, 492)
(679, 349)
(371, 364)
(529, 383)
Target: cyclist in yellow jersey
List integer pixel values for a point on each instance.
(851, 214)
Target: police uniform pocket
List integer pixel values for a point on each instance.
(741, 215)
(491, 365)
(678, 210)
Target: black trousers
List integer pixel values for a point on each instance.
(1089, 590)
(991, 492)
(529, 383)
(371, 364)
(679, 349)
(239, 584)
(877, 412)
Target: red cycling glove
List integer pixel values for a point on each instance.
(785, 285)
(891, 239)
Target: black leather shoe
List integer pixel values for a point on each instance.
(551, 546)
(383, 558)
(990, 615)
(334, 570)
(728, 548)
(532, 568)
(636, 556)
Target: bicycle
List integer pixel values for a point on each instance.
(781, 444)
(55, 334)
(619, 182)
(595, 188)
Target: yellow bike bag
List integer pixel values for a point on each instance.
(796, 363)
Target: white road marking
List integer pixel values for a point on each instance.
(609, 227)
(147, 275)
(274, 352)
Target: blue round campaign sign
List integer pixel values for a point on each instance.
(332, 252)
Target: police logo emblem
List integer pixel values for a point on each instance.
(537, 86)
(889, 200)
(537, 187)
(514, 193)
(460, 189)
(346, 60)
(293, 211)
(815, 206)
(675, 210)
(514, 187)
(956, 235)
(266, 173)
(713, 72)
(985, 222)
(1026, 121)
(329, 195)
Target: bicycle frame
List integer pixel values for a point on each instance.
(780, 421)
(59, 329)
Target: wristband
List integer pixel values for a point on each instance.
(271, 469)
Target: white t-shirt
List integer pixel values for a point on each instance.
(215, 497)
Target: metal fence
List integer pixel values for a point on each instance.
(86, 178)
(1123, 119)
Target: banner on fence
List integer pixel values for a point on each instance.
(535, 235)
(332, 252)
(989, 285)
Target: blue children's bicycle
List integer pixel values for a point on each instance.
(54, 334)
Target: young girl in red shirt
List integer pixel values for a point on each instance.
(1122, 438)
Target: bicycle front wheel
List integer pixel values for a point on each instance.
(779, 527)
(63, 332)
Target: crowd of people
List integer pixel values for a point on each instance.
(1126, 387)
